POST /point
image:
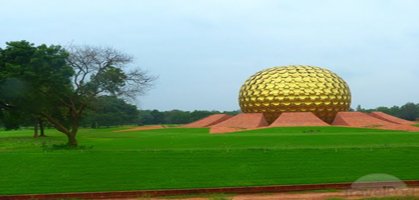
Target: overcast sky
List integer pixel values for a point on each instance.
(203, 51)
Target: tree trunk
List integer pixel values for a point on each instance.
(35, 130)
(72, 141)
(70, 133)
(41, 128)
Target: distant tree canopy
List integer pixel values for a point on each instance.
(110, 111)
(408, 111)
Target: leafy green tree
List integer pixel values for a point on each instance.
(394, 110)
(10, 120)
(360, 109)
(177, 117)
(199, 114)
(111, 111)
(97, 72)
(59, 85)
(158, 117)
(145, 117)
(409, 111)
(31, 77)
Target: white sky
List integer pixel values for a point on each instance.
(203, 51)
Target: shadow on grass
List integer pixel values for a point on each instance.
(311, 131)
(59, 147)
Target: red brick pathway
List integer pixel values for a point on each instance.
(390, 118)
(359, 119)
(298, 119)
(208, 121)
(239, 122)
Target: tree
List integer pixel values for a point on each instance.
(52, 83)
(111, 111)
(177, 117)
(199, 114)
(158, 117)
(146, 117)
(394, 110)
(409, 111)
(359, 108)
(10, 120)
(97, 72)
(39, 125)
(29, 75)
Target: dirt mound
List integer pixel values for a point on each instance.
(298, 119)
(389, 118)
(359, 119)
(208, 121)
(241, 121)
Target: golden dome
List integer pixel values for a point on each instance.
(295, 88)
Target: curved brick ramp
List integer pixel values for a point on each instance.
(298, 119)
(208, 121)
(359, 119)
(239, 122)
(390, 118)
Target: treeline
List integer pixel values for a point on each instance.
(114, 112)
(109, 111)
(176, 116)
(408, 111)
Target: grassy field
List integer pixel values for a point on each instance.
(192, 158)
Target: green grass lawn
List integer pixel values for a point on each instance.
(193, 158)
